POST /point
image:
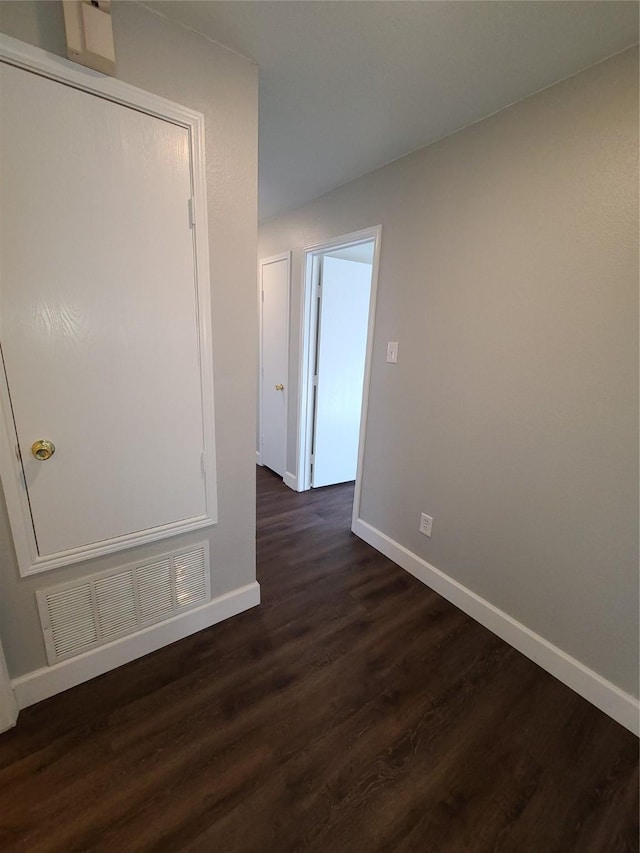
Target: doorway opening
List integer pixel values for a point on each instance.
(337, 321)
(274, 282)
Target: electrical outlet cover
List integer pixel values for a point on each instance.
(426, 523)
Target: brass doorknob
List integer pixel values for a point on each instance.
(43, 449)
(280, 387)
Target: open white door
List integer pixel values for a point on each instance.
(345, 289)
(102, 328)
(274, 334)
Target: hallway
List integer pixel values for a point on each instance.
(354, 711)
(424, 731)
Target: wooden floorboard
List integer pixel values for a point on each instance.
(354, 711)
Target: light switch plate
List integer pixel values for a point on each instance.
(392, 352)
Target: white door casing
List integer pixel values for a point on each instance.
(274, 284)
(345, 290)
(308, 330)
(104, 313)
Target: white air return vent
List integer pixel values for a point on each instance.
(81, 615)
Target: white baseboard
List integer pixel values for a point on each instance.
(8, 704)
(621, 706)
(42, 683)
(258, 458)
(291, 480)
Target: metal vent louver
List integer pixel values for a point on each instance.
(155, 591)
(190, 579)
(81, 615)
(71, 617)
(116, 603)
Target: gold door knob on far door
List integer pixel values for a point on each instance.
(43, 449)
(279, 387)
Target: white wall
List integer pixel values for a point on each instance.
(180, 65)
(509, 276)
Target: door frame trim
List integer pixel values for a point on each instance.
(311, 254)
(35, 60)
(263, 262)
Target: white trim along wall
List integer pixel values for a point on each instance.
(49, 680)
(8, 704)
(622, 707)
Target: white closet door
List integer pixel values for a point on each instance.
(274, 275)
(98, 316)
(342, 344)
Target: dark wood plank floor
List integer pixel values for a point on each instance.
(355, 710)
